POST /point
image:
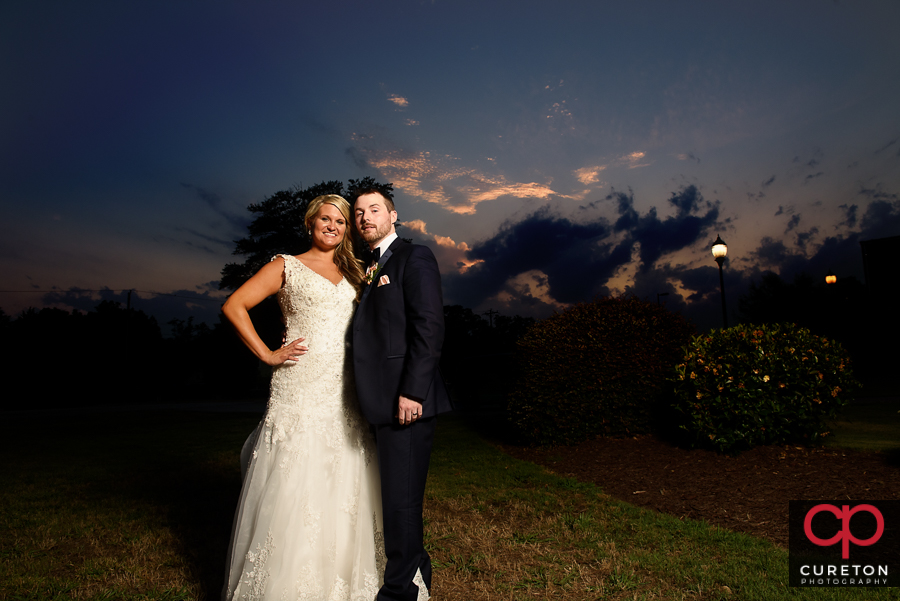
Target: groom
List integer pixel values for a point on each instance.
(398, 331)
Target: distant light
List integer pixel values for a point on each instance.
(830, 278)
(719, 249)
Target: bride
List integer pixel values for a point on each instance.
(308, 525)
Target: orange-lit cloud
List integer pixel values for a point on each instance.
(465, 264)
(400, 101)
(491, 190)
(633, 160)
(416, 225)
(438, 179)
(530, 284)
(589, 175)
(450, 254)
(445, 241)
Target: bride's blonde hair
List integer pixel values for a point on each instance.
(349, 266)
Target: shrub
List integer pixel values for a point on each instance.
(753, 385)
(595, 369)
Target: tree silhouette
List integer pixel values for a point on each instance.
(477, 360)
(119, 355)
(278, 226)
(111, 355)
(775, 301)
(843, 311)
(829, 310)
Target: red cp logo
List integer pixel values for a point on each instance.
(844, 514)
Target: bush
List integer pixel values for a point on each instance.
(595, 369)
(754, 385)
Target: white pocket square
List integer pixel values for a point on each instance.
(383, 281)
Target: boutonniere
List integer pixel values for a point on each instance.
(372, 273)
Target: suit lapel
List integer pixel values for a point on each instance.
(365, 293)
(387, 255)
(381, 261)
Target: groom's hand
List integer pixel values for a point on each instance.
(409, 410)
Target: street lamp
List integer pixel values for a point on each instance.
(830, 278)
(719, 250)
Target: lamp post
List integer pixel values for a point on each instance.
(658, 294)
(719, 250)
(830, 278)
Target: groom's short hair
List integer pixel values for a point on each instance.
(388, 201)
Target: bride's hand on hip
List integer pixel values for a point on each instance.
(289, 353)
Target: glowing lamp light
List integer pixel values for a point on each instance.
(719, 249)
(830, 278)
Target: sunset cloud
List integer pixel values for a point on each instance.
(589, 175)
(448, 242)
(553, 260)
(399, 101)
(439, 179)
(494, 189)
(529, 288)
(634, 160)
(416, 225)
(451, 255)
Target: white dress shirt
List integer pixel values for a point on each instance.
(384, 244)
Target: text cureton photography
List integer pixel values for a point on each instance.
(844, 542)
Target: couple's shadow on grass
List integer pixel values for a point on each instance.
(201, 512)
(186, 468)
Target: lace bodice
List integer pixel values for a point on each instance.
(320, 312)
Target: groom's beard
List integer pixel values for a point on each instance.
(377, 233)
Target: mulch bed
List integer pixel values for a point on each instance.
(748, 493)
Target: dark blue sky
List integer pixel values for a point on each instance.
(547, 151)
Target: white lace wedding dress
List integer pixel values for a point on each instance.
(308, 526)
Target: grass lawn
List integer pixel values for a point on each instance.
(868, 427)
(139, 505)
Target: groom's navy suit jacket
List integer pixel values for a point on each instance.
(398, 331)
